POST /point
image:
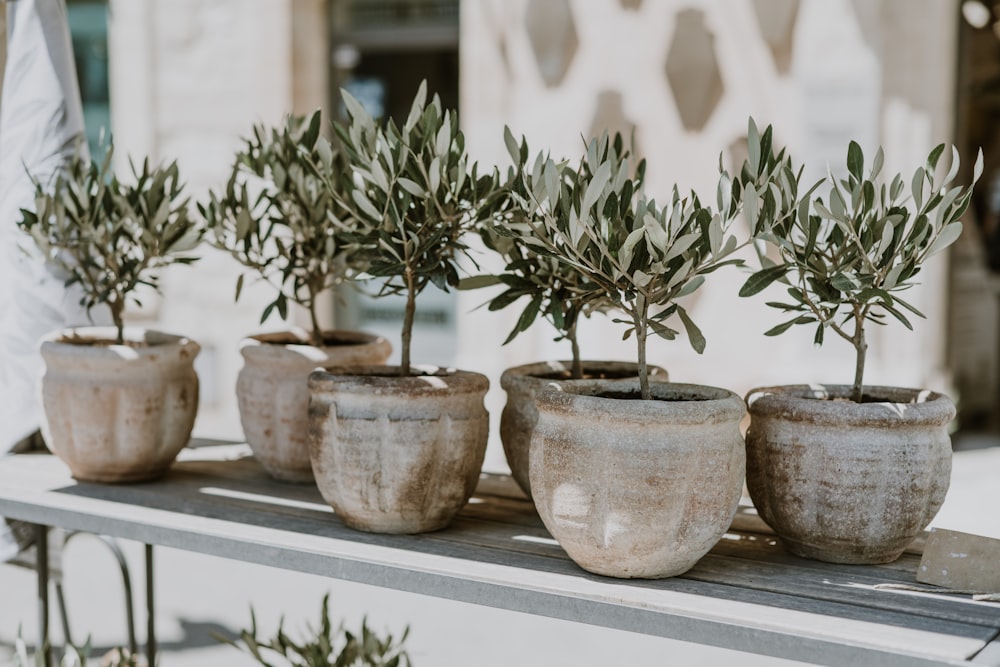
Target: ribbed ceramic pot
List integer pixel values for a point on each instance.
(845, 482)
(397, 454)
(273, 393)
(633, 488)
(118, 413)
(519, 416)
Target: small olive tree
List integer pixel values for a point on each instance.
(111, 236)
(554, 289)
(414, 196)
(630, 251)
(846, 259)
(280, 216)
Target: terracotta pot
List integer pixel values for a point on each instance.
(517, 422)
(845, 482)
(395, 454)
(273, 394)
(118, 413)
(634, 488)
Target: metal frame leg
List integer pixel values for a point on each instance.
(110, 543)
(42, 570)
(150, 610)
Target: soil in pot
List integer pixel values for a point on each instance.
(397, 454)
(632, 488)
(520, 415)
(845, 482)
(118, 413)
(273, 394)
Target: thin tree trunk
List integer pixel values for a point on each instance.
(408, 314)
(861, 347)
(316, 335)
(639, 317)
(117, 306)
(576, 371)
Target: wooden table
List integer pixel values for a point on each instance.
(748, 594)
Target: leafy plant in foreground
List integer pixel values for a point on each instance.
(326, 648)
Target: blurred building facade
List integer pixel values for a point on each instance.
(187, 78)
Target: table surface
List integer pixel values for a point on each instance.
(747, 594)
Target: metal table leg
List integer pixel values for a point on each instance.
(150, 610)
(42, 570)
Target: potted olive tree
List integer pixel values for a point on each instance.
(279, 218)
(850, 473)
(635, 479)
(119, 402)
(546, 287)
(399, 449)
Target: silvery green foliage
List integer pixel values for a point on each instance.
(414, 195)
(554, 289)
(846, 258)
(279, 215)
(630, 251)
(110, 236)
(327, 648)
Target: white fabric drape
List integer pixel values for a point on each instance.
(41, 125)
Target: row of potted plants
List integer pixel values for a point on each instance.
(635, 476)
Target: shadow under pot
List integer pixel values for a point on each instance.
(847, 482)
(394, 453)
(635, 488)
(273, 394)
(522, 383)
(118, 412)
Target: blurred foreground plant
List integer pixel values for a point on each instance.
(326, 648)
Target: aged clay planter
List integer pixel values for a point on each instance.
(396, 454)
(517, 422)
(632, 488)
(845, 482)
(118, 413)
(273, 394)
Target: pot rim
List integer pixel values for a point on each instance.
(669, 400)
(157, 342)
(815, 403)
(349, 337)
(533, 371)
(423, 379)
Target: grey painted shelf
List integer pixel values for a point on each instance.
(748, 594)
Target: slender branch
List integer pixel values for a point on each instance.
(316, 334)
(861, 346)
(576, 371)
(640, 317)
(408, 315)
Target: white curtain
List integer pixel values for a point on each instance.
(41, 125)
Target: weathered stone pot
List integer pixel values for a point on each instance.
(845, 482)
(118, 413)
(632, 488)
(397, 454)
(519, 416)
(273, 394)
